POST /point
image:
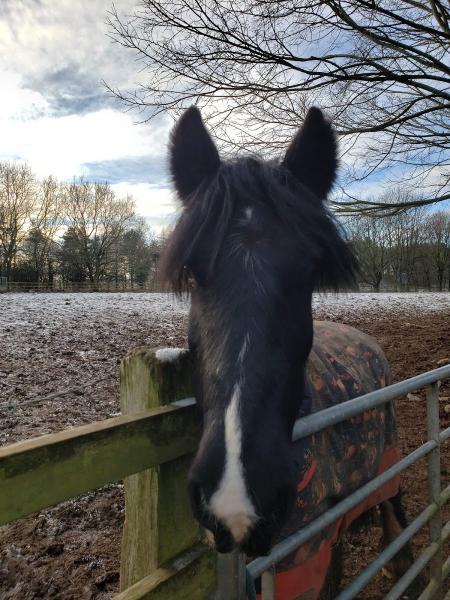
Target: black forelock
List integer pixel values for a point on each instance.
(206, 217)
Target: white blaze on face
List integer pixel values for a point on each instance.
(231, 503)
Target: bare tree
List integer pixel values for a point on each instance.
(137, 249)
(437, 229)
(97, 221)
(45, 222)
(369, 237)
(409, 249)
(17, 187)
(380, 70)
(404, 238)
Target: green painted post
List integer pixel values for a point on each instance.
(158, 521)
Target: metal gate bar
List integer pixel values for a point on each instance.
(430, 590)
(328, 417)
(434, 482)
(427, 555)
(352, 408)
(268, 584)
(390, 551)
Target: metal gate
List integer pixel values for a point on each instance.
(233, 572)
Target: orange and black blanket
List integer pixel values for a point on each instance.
(344, 363)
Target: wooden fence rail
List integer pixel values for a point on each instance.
(43, 471)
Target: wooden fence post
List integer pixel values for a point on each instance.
(158, 521)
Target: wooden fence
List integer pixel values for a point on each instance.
(150, 447)
(80, 286)
(153, 285)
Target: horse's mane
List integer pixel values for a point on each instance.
(206, 217)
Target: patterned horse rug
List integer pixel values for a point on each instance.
(344, 363)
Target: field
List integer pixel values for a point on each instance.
(51, 342)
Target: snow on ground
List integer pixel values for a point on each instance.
(49, 309)
(332, 306)
(55, 341)
(52, 342)
(52, 310)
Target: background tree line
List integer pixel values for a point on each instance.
(407, 250)
(82, 232)
(70, 232)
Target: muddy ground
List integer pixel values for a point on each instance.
(71, 552)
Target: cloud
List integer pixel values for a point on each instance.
(158, 223)
(156, 204)
(56, 115)
(62, 50)
(54, 57)
(68, 91)
(19, 103)
(150, 199)
(78, 144)
(131, 170)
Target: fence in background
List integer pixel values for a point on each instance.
(81, 286)
(150, 446)
(149, 286)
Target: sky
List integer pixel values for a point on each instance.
(56, 114)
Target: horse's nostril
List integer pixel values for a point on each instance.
(239, 526)
(228, 529)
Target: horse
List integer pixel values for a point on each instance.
(253, 242)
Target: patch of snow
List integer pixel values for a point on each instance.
(169, 354)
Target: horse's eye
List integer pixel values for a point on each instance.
(192, 284)
(190, 279)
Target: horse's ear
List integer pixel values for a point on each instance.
(311, 156)
(193, 155)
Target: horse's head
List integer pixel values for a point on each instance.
(253, 242)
